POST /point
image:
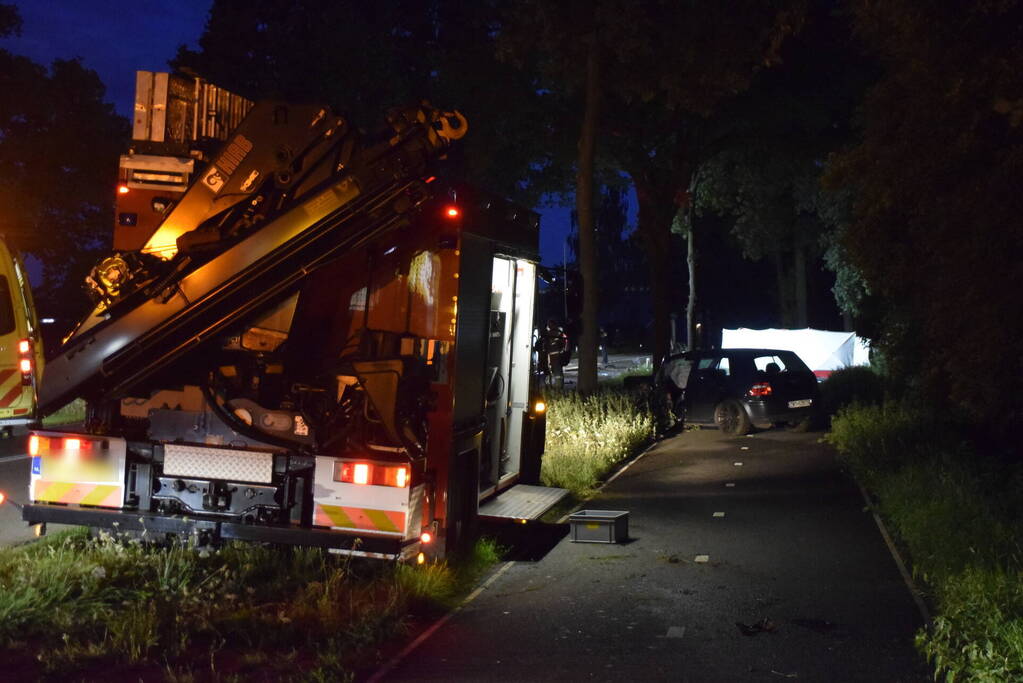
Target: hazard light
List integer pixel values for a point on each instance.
(539, 407)
(26, 365)
(24, 346)
(33, 445)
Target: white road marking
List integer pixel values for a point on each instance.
(719, 514)
(730, 485)
(13, 458)
(702, 559)
(743, 448)
(675, 632)
(737, 464)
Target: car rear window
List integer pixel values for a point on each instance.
(779, 361)
(7, 322)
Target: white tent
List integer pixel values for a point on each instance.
(821, 350)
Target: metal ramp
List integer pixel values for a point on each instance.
(522, 501)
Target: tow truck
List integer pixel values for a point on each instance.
(305, 337)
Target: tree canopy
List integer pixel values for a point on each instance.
(935, 224)
(59, 147)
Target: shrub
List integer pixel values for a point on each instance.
(587, 436)
(858, 384)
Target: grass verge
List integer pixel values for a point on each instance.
(77, 606)
(958, 517)
(587, 436)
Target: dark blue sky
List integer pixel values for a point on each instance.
(117, 38)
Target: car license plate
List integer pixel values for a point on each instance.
(802, 403)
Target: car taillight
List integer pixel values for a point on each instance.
(760, 389)
(364, 473)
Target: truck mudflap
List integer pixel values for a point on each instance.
(203, 532)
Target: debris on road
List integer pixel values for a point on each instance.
(765, 625)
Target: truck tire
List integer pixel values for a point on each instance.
(730, 416)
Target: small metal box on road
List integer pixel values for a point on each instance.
(599, 526)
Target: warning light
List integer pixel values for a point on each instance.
(426, 537)
(122, 189)
(26, 365)
(24, 346)
(33, 445)
(539, 407)
(421, 558)
(452, 212)
(360, 473)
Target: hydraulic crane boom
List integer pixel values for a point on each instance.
(292, 188)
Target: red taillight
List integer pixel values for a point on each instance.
(452, 212)
(425, 537)
(122, 189)
(364, 473)
(760, 389)
(25, 362)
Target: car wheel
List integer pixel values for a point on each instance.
(731, 418)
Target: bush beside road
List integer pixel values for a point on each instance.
(958, 517)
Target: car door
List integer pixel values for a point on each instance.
(707, 384)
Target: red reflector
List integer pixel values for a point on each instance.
(24, 346)
(761, 389)
(26, 365)
(452, 212)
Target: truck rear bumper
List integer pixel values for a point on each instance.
(212, 530)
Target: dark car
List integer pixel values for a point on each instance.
(738, 388)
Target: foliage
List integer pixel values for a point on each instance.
(71, 413)
(959, 519)
(936, 207)
(59, 146)
(857, 384)
(364, 60)
(85, 601)
(588, 435)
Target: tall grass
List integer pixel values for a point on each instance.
(80, 602)
(958, 516)
(588, 435)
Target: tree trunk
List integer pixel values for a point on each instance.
(692, 340)
(799, 281)
(654, 225)
(584, 198)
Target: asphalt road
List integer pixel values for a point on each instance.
(795, 559)
(15, 466)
